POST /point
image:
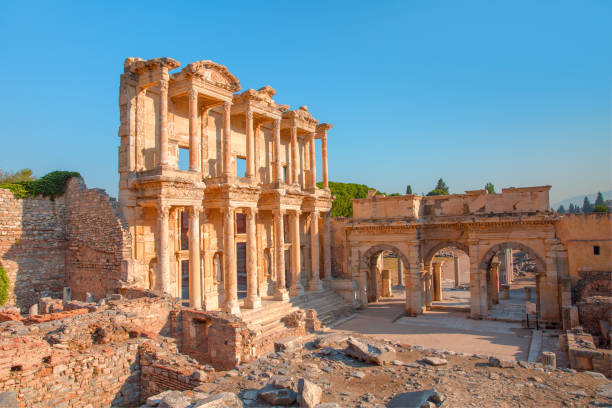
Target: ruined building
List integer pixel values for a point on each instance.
(207, 233)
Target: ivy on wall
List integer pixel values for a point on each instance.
(51, 185)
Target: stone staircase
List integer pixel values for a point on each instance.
(267, 320)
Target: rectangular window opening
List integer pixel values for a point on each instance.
(596, 250)
(184, 220)
(183, 159)
(185, 280)
(240, 166)
(240, 223)
(285, 173)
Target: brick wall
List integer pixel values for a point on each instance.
(32, 247)
(77, 240)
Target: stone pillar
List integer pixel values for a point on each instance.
(294, 155)
(296, 264)
(509, 265)
(280, 290)
(456, 260)
(313, 163)
(494, 272)
(386, 283)
(227, 140)
(194, 138)
(327, 273)
(400, 272)
(437, 281)
(429, 288)
(252, 301)
(315, 280)
(195, 282)
(229, 263)
(139, 139)
(505, 291)
(163, 122)
(278, 174)
(324, 161)
(250, 145)
(204, 141)
(163, 258)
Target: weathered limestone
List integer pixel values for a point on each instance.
(229, 258)
(227, 140)
(296, 278)
(456, 262)
(280, 290)
(494, 272)
(195, 283)
(437, 281)
(162, 250)
(314, 283)
(253, 300)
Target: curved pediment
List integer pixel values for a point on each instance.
(212, 72)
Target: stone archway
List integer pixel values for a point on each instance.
(368, 264)
(446, 244)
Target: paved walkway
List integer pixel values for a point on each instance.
(443, 330)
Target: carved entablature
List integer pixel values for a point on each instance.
(321, 130)
(150, 71)
(210, 72)
(300, 118)
(228, 195)
(260, 101)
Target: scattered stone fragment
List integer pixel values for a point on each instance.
(595, 374)
(309, 394)
(8, 399)
(277, 396)
(435, 361)
(358, 374)
(369, 351)
(496, 362)
(221, 400)
(174, 399)
(329, 340)
(286, 344)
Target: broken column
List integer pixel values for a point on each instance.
(494, 271)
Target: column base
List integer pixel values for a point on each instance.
(297, 290)
(254, 303)
(232, 307)
(281, 294)
(195, 304)
(315, 285)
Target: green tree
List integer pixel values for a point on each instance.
(599, 200)
(21, 175)
(50, 185)
(587, 207)
(601, 209)
(561, 209)
(441, 185)
(409, 190)
(490, 188)
(343, 194)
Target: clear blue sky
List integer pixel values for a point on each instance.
(514, 92)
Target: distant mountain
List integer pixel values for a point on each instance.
(578, 200)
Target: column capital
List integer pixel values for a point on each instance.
(277, 123)
(163, 209)
(195, 210)
(227, 105)
(249, 113)
(296, 212)
(251, 211)
(163, 84)
(193, 93)
(278, 212)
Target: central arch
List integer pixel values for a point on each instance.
(445, 244)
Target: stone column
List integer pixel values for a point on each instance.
(456, 260)
(230, 279)
(194, 138)
(163, 122)
(315, 281)
(163, 258)
(494, 273)
(278, 176)
(437, 280)
(509, 265)
(250, 145)
(327, 274)
(324, 161)
(296, 264)
(313, 163)
(429, 291)
(294, 155)
(203, 141)
(139, 140)
(400, 272)
(195, 282)
(227, 140)
(280, 289)
(252, 301)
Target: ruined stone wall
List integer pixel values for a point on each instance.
(339, 247)
(77, 240)
(99, 243)
(32, 247)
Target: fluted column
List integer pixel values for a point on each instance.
(163, 122)
(315, 280)
(195, 277)
(400, 272)
(509, 265)
(252, 300)
(163, 261)
(324, 161)
(327, 247)
(278, 175)
(456, 259)
(194, 138)
(250, 145)
(227, 140)
(437, 281)
(280, 290)
(294, 155)
(296, 279)
(313, 163)
(494, 289)
(230, 279)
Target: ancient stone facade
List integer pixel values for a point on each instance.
(481, 225)
(205, 232)
(77, 240)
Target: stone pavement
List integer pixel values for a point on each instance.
(441, 330)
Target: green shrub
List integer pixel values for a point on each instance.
(4, 286)
(51, 185)
(601, 209)
(437, 191)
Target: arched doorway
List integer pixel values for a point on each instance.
(513, 279)
(446, 277)
(383, 264)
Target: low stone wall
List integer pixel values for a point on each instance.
(583, 355)
(592, 310)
